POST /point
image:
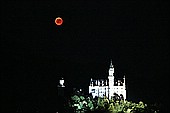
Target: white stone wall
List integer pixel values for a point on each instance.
(99, 91)
(108, 91)
(94, 90)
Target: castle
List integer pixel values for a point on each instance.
(108, 87)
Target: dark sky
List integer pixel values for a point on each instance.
(36, 52)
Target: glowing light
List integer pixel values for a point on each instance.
(59, 21)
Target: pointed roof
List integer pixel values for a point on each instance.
(111, 65)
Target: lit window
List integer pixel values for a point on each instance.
(93, 90)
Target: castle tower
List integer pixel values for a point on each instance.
(124, 85)
(61, 87)
(111, 80)
(111, 69)
(111, 75)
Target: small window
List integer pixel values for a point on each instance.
(93, 90)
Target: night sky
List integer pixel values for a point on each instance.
(36, 52)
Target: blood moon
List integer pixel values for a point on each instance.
(58, 21)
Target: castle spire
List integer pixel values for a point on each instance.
(111, 69)
(111, 65)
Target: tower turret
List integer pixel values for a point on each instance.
(111, 74)
(111, 80)
(61, 82)
(124, 81)
(111, 69)
(124, 85)
(61, 87)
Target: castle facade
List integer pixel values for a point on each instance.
(108, 87)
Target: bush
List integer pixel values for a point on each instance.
(82, 104)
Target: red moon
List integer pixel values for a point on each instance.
(58, 20)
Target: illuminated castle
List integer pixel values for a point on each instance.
(108, 87)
